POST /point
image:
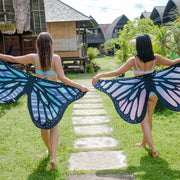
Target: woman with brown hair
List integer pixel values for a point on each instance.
(47, 66)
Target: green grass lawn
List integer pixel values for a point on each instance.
(23, 153)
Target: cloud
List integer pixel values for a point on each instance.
(104, 9)
(139, 6)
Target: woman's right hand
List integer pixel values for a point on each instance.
(84, 89)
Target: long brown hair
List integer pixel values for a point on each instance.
(44, 45)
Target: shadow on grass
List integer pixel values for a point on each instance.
(149, 169)
(6, 106)
(42, 172)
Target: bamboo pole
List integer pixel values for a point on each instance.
(79, 36)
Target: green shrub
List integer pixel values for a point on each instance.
(92, 53)
(90, 68)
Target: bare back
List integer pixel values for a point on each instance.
(141, 68)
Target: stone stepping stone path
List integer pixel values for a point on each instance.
(94, 147)
(89, 119)
(89, 111)
(101, 177)
(97, 160)
(92, 129)
(95, 143)
(87, 106)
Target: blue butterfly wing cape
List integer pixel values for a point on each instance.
(47, 100)
(130, 95)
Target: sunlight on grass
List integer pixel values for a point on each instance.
(23, 153)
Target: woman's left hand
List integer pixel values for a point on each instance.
(95, 79)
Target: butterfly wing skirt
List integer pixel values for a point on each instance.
(47, 100)
(130, 95)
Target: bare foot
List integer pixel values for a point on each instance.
(52, 164)
(141, 145)
(155, 154)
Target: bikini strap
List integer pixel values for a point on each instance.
(52, 61)
(136, 64)
(153, 64)
(36, 61)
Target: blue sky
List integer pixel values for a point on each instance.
(106, 11)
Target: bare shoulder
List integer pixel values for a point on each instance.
(57, 59)
(157, 56)
(130, 61)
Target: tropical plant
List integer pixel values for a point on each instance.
(171, 39)
(128, 34)
(92, 53)
(157, 38)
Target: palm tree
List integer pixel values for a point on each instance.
(171, 39)
(158, 46)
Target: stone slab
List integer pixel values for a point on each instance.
(97, 160)
(88, 106)
(93, 92)
(101, 177)
(92, 89)
(84, 100)
(91, 96)
(89, 111)
(95, 143)
(92, 129)
(89, 119)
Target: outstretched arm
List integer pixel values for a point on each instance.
(63, 78)
(124, 68)
(166, 62)
(26, 59)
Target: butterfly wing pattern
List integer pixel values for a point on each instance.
(12, 83)
(167, 87)
(47, 100)
(130, 95)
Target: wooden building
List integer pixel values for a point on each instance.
(163, 14)
(145, 15)
(114, 28)
(157, 15)
(95, 38)
(22, 20)
(68, 28)
(170, 11)
(20, 23)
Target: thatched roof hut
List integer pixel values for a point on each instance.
(64, 23)
(171, 10)
(96, 36)
(145, 15)
(68, 28)
(118, 24)
(157, 14)
(57, 11)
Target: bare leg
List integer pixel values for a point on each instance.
(46, 138)
(54, 137)
(147, 126)
(150, 109)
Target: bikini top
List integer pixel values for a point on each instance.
(138, 71)
(45, 73)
